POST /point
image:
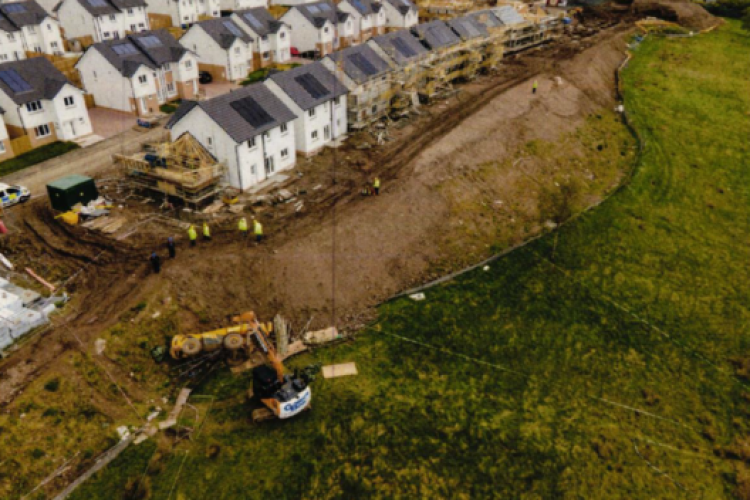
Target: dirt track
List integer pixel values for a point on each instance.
(382, 244)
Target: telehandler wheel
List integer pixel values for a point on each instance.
(191, 347)
(234, 341)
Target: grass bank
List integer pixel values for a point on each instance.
(35, 156)
(615, 368)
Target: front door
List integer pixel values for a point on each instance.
(327, 132)
(269, 166)
(71, 123)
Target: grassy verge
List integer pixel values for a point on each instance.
(520, 381)
(35, 156)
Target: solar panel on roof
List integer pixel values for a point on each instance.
(403, 48)
(125, 49)
(97, 3)
(252, 20)
(12, 79)
(363, 64)
(325, 7)
(251, 112)
(359, 6)
(150, 41)
(14, 8)
(314, 9)
(233, 29)
(312, 86)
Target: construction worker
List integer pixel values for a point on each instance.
(242, 226)
(155, 262)
(258, 230)
(206, 231)
(534, 87)
(193, 235)
(376, 186)
(171, 247)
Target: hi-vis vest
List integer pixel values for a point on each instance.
(242, 224)
(376, 183)
(192, 234)
(206, 230)
(258, 228)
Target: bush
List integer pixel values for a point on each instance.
(35, 156)
(52, 385)
(256, 76)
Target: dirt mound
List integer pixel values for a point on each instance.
(683, 12)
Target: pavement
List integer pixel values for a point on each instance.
(109, 122)
(218, 88)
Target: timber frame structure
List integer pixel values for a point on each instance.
(182, 169)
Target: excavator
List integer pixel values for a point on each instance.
(283, 395)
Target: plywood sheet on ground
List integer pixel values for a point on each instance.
(342, 370)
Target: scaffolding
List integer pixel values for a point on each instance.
(182, 169)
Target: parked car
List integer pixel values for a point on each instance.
(205, 77)
(10, 195)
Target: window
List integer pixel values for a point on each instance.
(38, 49)
(42, 130)
(105, 34)
(143, 79)
(186, 17)
(188, 64)
(325, 30)
(264, 38)
(266, 55)
(3, 57)
(94, 75)
(2, 147)
(69, 101)
(32, 30)
(236, 50)
(34, 106)
(133, 27)
(170, 87)
(374, 109)
(11, 38)
(337, 101)
(130, 12)
(167, 67)
(284, 128)
(284, 153)
(252, 169)
(210, 141)
(140, 25)
(251, 143)
(112, 17)
(53, 45)
(49, 27)
(311, 112)
(314, 135)
(282, 35)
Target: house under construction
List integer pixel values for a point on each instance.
(181, 169)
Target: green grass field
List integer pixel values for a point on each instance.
(526, 376)
(38, 155)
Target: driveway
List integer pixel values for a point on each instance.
(218, 88)
(109, 122)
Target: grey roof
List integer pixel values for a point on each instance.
(403, 6)
(266, 22)
(289, 83)
(435, 35)
(217, 29)
(467, 27)
(487, 18)
(348, 59)
(152, 57)
(508, 15)
(221, 111)
(32, 14)
(318, 13)
(45, 80)
(401, 46)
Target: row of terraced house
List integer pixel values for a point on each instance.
(259, 130)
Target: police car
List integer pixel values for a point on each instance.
(10, 195)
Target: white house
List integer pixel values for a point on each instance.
(222, 48)
(185, 12)
(315, 26)
(318, 100)
(234, 5)
(41, 103)
(368, 17)
(250, 130)
(400, 14)
(27, 27)
(368, 77)
(139, 72)
(271, 39)
(102, 19)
